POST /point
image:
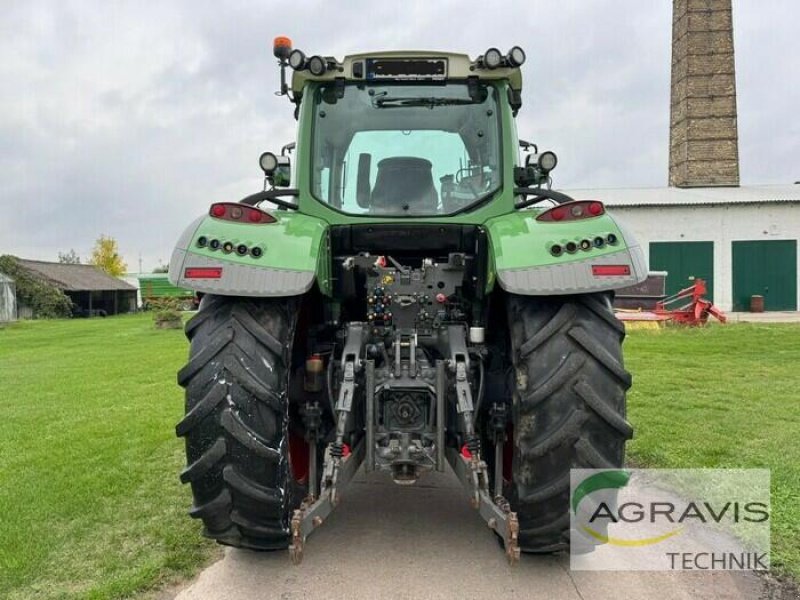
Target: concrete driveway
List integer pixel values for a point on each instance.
(387, 541)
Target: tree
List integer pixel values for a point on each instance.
(106, 256)
(69, 258)
(161, 269)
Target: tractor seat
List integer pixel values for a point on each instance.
(404, 184)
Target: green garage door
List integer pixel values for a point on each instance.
(683, 261)
(765, 268)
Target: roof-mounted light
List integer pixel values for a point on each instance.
(492, 58)
(281, 47)
(297, 60)
(317, 66)
(515, 57)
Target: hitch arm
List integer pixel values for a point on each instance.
(495, 511)
(313, 512)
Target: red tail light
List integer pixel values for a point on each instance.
(610, 270)
(202, 272)
(572, 211)
(240, 213)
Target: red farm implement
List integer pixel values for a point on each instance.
(687, 307)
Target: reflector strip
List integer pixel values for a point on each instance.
(610, 270)
(203, 272)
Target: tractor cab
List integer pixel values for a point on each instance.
(405, 134)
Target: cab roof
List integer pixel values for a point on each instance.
(355, 67)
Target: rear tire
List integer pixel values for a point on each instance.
(569, 407)
(236, 423)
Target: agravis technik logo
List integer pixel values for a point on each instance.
(650, 519)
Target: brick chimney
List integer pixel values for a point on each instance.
(703, 138)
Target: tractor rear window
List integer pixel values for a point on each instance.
(405, 150)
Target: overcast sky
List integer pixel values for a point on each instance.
(130, 118)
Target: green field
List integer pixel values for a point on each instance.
(91, 507)
(90, 502)
(725, 396)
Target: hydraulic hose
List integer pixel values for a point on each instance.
(481, 387)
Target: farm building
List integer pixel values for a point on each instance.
(744, 241)
(92, 291)
(8, 299)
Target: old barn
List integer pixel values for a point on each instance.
(92, 291)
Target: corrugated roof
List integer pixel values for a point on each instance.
(671, 196)
(74, 278)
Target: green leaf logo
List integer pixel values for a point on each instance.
(613, 479)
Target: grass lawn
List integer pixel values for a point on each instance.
(91, 507)
(90, 502)
(725, 396)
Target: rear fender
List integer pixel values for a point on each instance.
(290, 253)
(525, 264)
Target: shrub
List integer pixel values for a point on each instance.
(166, 312)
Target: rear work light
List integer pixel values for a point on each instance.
(202, 272)
(572, 211)
(240, 213)
(610, 270)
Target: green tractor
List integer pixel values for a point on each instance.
(407, 292)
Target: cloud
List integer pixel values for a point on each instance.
(129, 119)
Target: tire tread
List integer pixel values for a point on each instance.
(236, 420)
(569, 409)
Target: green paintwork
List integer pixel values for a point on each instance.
(684, 261)
(323, 274)
(292, 243)
(518, 240)
(766, 268)
(299, 240)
